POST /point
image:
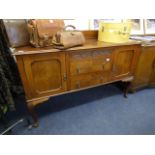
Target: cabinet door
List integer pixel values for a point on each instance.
(144, 68)
(125, 59)
(45, 73)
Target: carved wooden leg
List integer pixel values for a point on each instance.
(126, 88)
(33, 114)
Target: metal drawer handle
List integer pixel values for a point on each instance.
(114, 68)
(78, 69)
(103, 65)
(65, 77)
(78, 85)
(107, 60)
(101, 79)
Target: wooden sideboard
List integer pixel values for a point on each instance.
(47, 72)
(145, 70)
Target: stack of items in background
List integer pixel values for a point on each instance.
(146, 40)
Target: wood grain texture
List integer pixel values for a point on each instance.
(144, 74)
(44, 74)
(152, 79)
(90, 44)
(89, 68)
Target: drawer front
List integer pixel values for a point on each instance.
(82, 81)
(99, 78)
(91, 61)
(80, 63)
(102, 61)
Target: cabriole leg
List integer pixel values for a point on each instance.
(126, 88)
(33, 114)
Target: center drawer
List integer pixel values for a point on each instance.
(91, 61)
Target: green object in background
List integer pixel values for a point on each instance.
(3, 110)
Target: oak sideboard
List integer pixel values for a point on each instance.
(47, 72)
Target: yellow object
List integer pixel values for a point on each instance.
(114, 32)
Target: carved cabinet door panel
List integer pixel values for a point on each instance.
(45, 73)
(125, 60)
(144, 67)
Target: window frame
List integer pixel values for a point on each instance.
(141, 30)
(147, 31)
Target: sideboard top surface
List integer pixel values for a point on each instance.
(90, 44)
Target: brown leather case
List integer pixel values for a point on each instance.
(17, 32)
(42, 31)
(67, 39)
